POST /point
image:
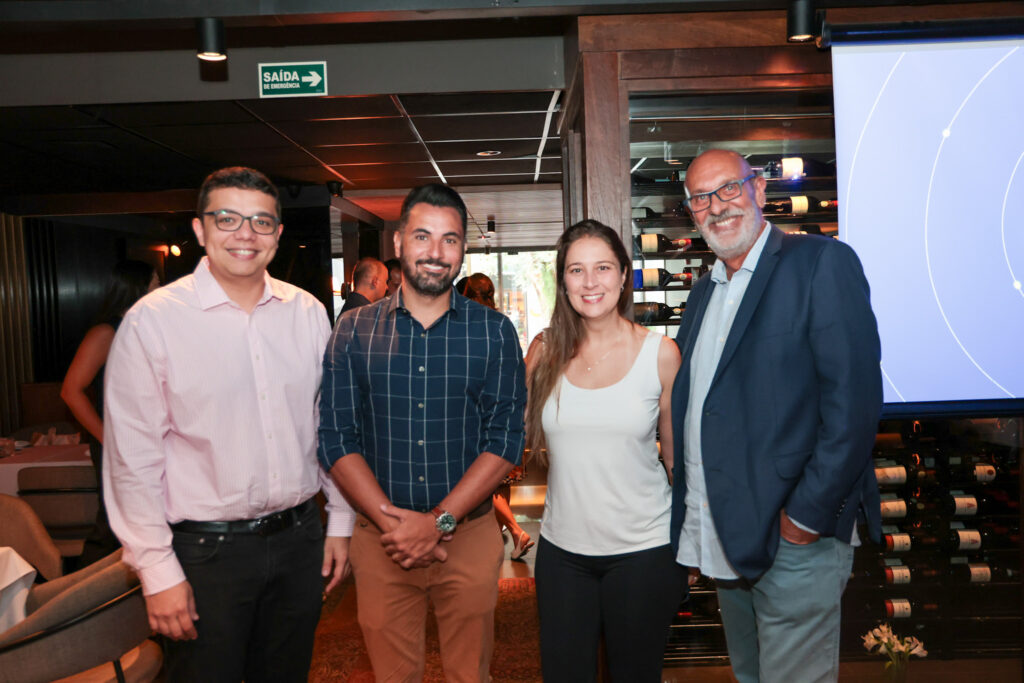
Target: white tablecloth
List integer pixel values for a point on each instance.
(16, 577)
(39, 456)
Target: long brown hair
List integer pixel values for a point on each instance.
(561, 340)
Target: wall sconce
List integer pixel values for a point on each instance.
(211, 39)
(335, 187)
(800, 21)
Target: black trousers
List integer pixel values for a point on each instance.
(258, 599)
(631, 598)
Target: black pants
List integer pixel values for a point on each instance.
(258, 599)
(630, 597)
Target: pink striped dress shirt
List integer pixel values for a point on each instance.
(210, 415)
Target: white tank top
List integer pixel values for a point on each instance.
(607, 493)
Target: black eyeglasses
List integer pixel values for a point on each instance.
(230, 221)
(725, 193)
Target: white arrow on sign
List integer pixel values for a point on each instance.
(313, 79)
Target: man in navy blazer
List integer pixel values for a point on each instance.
(777, 402)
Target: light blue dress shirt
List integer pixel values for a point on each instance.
(699, 545)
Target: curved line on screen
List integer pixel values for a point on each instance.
(927, 209)
(1002, 221)
(891, 383)
(856, 149)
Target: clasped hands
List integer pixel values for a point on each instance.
(411, 539)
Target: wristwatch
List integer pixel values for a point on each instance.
(443, 520)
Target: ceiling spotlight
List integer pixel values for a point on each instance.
(489, 153)
(800, 21)
(490, 226)
(334, 187)
(211, 39)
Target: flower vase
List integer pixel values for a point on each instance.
(896, 672)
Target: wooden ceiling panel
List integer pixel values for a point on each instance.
(14, 120)
(364, 173)
(464, 151)
(368, 154)
(488, 127)
(300, 174)
(318, 133)
(169, 114)
(509, 178)
(476, 103)
(210, 136)
(313, 108)
(492, 166)
(264, 157)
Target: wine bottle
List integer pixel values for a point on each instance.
(895, 572)
(653, 278)
(645, 212)
(962, 570)
(651, 312)
(910, 507)
(904, 608)
(915, 473)
(651, 243)
(970, 471)
(913, 537)
(963, 504)
(798, 204)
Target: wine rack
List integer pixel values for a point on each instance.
(949, 568)
(659, 218)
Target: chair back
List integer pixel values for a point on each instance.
(98, 615)
(24, 531)
(66, 499)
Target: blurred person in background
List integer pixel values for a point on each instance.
(130, 280)
(478, 287)
(394, 267)
(369, 283)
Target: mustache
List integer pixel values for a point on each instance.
(724, 216)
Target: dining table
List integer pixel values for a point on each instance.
(39, 456)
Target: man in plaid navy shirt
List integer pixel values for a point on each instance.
(421, 416)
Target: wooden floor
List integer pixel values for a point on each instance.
(922, 671)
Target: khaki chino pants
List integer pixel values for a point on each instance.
(392, 603)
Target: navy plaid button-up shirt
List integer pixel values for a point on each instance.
(420, 405)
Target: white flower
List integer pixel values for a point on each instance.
(897, 649)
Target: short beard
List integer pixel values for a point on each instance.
(747, 237)
(426, 285)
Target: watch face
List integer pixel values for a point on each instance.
(446, 523)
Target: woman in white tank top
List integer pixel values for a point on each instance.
(599, 386)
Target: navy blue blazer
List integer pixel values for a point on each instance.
(791, 414)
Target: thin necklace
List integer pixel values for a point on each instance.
(598, 361)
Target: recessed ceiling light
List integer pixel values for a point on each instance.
(488, 153)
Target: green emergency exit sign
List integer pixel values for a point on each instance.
(293, 79)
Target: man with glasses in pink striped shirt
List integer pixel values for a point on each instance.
(210, 466)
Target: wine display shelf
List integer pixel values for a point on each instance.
(953, 617)
(949, 568)
(779, 186)
(684, 223)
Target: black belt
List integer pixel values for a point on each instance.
(264, 526)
